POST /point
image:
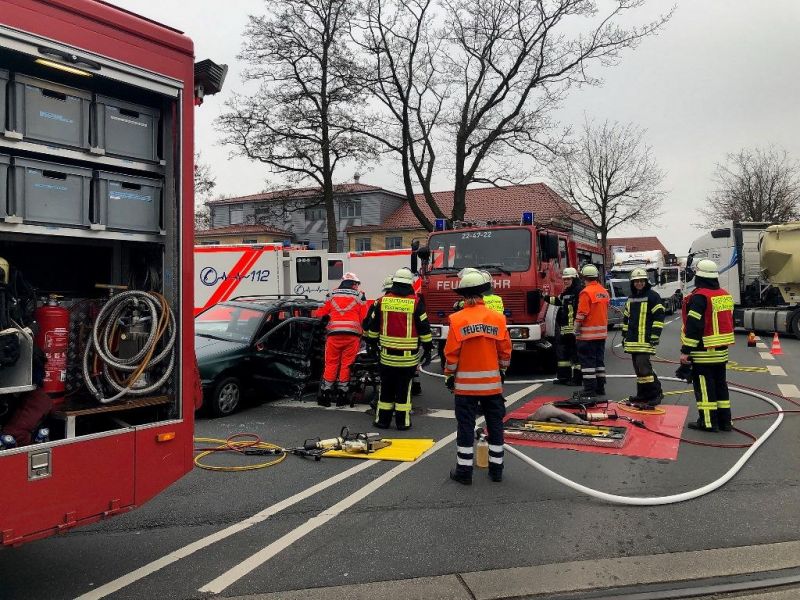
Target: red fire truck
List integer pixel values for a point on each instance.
(96, 240)
(525, 262)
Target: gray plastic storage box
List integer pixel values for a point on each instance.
(4, 162)
(126, 130)
(3, 100)
(48, 112)
(49, 193)
(127, 203)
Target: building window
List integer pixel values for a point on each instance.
(363, 244)
(394, 242)
(208, 243)
(315, 213)
(237, 216)
(249, 241)
(349, 208)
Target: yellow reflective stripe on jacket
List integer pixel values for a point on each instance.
(710, 356)
(723, 339)
(657, 308)
(694, 314)
(398, 343)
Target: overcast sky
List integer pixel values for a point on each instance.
(722, 75)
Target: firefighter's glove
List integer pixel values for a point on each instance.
(654, 342)
(684, 373)
(450, 382)
(325, 320)
(502, 375)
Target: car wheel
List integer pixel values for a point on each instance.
(226, 397)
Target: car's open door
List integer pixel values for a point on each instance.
(283, 355)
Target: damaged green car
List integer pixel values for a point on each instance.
(272, 345)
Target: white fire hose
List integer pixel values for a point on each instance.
(655, 500)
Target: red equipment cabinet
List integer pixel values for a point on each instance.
(54, 487)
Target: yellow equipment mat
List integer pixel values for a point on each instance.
(404, 450)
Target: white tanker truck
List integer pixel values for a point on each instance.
(760, 266)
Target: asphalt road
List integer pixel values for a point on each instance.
(389, 521)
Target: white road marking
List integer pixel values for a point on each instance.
(148, 569)
(766, 356)
(671, 321)
(233, 575)
(617, 345)
(776, 371)
(761, 345)
(313, 404)
(789, 390)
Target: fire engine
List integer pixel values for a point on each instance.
(525, 261)
(96, 239)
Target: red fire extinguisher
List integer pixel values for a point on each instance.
(53, 339)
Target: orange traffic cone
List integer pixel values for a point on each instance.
(751, 340)
(776, 345)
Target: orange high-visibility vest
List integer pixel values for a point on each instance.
(591, 322)
(477, 348)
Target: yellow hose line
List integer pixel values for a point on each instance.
(731, 365)
(235, 444)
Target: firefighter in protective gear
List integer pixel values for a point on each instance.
(707, 332)
(491, 300)
(642, 323)
(591, 330)
(400, 329)
(568, 369)
(477, 353)
(344, 311)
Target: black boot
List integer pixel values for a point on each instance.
(416, 387)
(383, 418)
(724, 419)
(341, 397)
(700, 426)
(463, 477)
(324, 398)
(496, 473)
(600, 386)
(400, 420)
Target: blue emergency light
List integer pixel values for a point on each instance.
(287, 243)
(441, 224)
(527, 218)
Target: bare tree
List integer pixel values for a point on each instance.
(402, 75)
(759, 184)
(610, 177)
(302, 120)
(204, 184)
(512, 62)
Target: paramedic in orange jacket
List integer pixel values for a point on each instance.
(591, 330)
(346, 309)
(477, 353)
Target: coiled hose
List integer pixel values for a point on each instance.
(120, 374)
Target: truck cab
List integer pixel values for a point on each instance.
(666, 279)
(525, 261)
